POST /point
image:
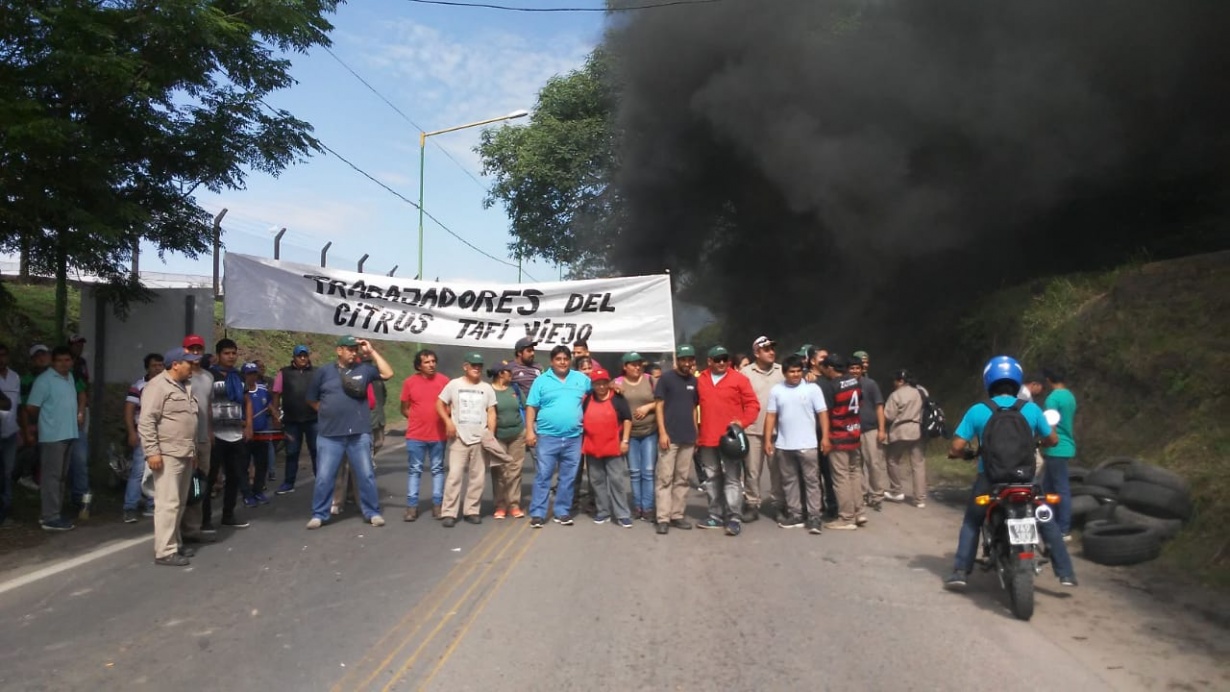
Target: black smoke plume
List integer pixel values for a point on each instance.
(836, 170)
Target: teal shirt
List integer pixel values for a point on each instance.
(558, 403)
(1064, 402)
(55, 395)
(975, 421)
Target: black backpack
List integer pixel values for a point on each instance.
(932, 422)
(1008, 445)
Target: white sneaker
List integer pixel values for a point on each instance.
(376, 520)
(894, 497)
(920, 504)
(314, 523)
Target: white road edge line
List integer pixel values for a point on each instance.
(70, 563)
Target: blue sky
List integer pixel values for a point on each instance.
(442, 66)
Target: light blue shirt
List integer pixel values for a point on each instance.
(55, 395)
(975, 420)
(558, 403)
(796, 408)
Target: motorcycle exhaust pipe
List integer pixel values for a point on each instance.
(1044, 513)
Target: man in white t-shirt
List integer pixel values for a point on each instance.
(467, 406)
(795, 410)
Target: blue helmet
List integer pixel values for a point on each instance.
(1002, 368)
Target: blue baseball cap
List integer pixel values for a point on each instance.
(179, 355)
(300, 350)
(250, 369)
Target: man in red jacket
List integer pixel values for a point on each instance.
(726, 397)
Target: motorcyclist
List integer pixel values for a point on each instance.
(1002, 378)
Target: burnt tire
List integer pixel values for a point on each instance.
(1084, 504)
(1120, 463)
(1112, 478)
(1121, 544)
(1165, 528)
(1148, 473)
(1095, 491)
(1104, 513)
(1077, 474)
(1156, 500)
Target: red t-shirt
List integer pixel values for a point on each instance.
(421, 393)
(602, 425)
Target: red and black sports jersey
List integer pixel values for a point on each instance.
(843, 396)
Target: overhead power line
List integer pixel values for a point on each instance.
(426, 213)
(405, 117)
(510, 8)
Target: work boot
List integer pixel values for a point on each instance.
(411, 514)
(435, 512)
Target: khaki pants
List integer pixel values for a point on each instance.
(846, 484)
(170, 499)
(753, 471)
(909, 452)
(871, 453)
(465, 463)
(673, 475)
(506, 478)
(800, 470)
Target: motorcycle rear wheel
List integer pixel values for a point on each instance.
(1021, 589)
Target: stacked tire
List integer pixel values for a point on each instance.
(1128, 508)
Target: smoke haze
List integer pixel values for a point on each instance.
(885, 160)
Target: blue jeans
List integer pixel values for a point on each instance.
(132, 492)
(296, 435)
(356, 448)
(417, 450)
(563, 453)
(8, 465)
(1055, 480)
(79, 466)
(967, 543)
(642, 459)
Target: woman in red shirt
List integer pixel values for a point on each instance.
(606, 427)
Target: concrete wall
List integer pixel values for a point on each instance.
(153, 327)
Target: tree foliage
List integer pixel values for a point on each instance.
(553, 175)
(113, 112)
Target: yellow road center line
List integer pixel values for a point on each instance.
(451, 612)
(477, 611)
(449, 583)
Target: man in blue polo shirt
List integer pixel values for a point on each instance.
(553, 428)
(59, 408)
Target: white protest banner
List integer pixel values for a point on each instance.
(622, 314)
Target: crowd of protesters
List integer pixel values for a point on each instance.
(622, 446)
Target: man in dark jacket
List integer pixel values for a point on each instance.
(298, 419)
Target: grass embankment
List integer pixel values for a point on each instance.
(1145, 349)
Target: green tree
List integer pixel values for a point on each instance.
(113, 112)
(553, 176)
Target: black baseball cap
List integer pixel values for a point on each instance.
(523, 344)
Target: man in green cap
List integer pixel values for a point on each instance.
(726, 399)
(338, 393)
(467, 407)
(676, 400)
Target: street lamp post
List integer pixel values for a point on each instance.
(423, 161)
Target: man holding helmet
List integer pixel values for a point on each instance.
(728, 404)
(338, 393)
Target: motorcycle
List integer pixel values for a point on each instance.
(1011, 542)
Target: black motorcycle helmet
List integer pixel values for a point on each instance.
(734, 443)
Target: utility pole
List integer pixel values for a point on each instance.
(136, 259)
(217, 250)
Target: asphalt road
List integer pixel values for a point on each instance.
(503, 607)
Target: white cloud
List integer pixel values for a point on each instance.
(454, 79)
(315, 218)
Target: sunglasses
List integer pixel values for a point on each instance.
(721, 359)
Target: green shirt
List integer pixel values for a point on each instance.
(508, 422)
(1064, 402)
